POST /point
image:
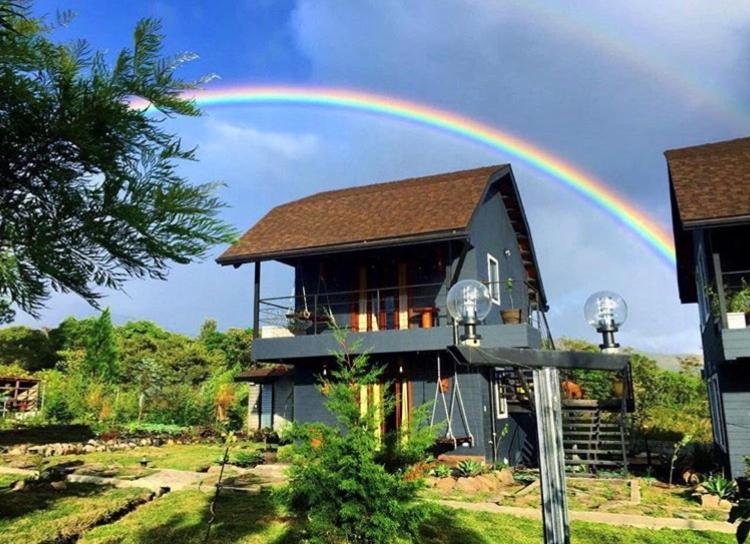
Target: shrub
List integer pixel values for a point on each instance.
(340, 487)
(246, 458)
(468, 468)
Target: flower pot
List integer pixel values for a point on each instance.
(736, 320)
(618, 389)
(511, 316)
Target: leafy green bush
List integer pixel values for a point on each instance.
(246, 458)
(467, 468)
(340, 489)
(157, 428)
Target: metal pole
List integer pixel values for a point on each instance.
(551, 455)
(256, 301)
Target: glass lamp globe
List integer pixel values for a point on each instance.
(469, 301)
(605, 311)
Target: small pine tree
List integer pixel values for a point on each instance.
(346, 485)
(102, 360)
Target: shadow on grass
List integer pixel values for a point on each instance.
(47, 434)
(443, 526)
(239, 517)
(16, 504)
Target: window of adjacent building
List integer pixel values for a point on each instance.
(493, 277)
(717, 414)
(266, 406)
(501, 402)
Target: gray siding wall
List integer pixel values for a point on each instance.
(734, 380)
(736, 343)
(492, 232)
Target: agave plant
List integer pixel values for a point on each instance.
(717, 485)
(469, 467)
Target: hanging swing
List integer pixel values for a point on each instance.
(456, 401)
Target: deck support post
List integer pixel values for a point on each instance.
(551, 455)
(256, 301)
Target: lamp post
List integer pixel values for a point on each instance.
(606, 312)
(469, 302)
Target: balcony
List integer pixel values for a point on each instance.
(733, 309)
(383, 320)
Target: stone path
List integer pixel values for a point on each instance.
(267, 475)
(632, 520)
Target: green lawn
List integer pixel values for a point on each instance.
(7, 479)
(251, 519)
(42, 514)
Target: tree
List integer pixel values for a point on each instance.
(102, 361)
(29, 348)
(89, 190)
(343, 486)
(150, 380)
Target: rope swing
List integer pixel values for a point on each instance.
(456, 401)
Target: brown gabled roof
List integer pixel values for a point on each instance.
(430, 206)
(711, 182)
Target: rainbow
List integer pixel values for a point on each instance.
(596, 192)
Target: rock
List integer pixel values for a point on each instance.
(35, 450)
(18, 450)
(88, 448)
(431, 481)
(445, 484)
(504, 477)
(20, 485)
(170, 442)
(488, 481)
(58, 485)
(100, 448)
(470, 485)
(144, 442)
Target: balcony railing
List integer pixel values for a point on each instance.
(734, 305)
(376, 309)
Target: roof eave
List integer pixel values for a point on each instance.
(441, 236)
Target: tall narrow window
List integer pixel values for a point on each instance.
(501, 402)
(493, 278)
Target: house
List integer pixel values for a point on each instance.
(378, 260)
(710, 196)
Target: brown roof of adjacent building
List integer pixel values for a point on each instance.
(410, 208)
(264, 373)
(711, 182)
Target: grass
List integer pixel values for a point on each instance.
(41, 514)
(254, 519)
(603, 495)
(7, 479)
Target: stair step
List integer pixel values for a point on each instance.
(593, 452)
(592, 462)
(602, 442)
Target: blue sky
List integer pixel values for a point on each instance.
(607, 86)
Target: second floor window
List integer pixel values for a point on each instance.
(493, 277)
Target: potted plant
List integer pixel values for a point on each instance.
(738, 305)
(511, 316)
(743, 482)
(716, 491)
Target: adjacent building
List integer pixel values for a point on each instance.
(710, 196)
